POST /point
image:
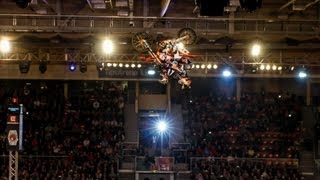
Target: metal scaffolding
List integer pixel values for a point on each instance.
(202, 25)
(13, 165)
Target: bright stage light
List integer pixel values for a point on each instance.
(139, 66)
(203, 66)
(162, 126)
(72, 66)
(151, 72)
(268, 67)
(292, 68)
(5, 46)
(226, 73)
(302, 74)
(274, 67)
(215, 66)
(209, 66)
(107, 46)
(255, 50)
(262, 67)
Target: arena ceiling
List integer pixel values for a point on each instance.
(50, 29)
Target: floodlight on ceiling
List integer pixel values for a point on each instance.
(268, 67)
(72, 66)
(151, 72)
(302, 74)
(255, 50)
(107, 46)
(292, 68)
(226, 73)
(5, 46)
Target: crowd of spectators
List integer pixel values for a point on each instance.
(257, 126)
(74, 138)
(80, 137)
(243, 169)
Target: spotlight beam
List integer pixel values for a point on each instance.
(162, 127)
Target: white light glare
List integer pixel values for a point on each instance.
(5, 46)
(161, 126)
(226, 73)
(274, 67)
(215, 66)
(262, 67)
(107, 46)
(151, 72)
(255, 50)
(139, 65)
(302, 74)
(268, 67)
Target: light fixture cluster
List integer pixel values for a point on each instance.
(204, 66)
(270, 67)
(273, 67)
(123, 65)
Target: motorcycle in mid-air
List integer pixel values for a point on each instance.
(170, 56)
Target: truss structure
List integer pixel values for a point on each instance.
(13, 165)
(202, 26)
